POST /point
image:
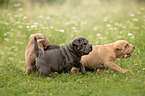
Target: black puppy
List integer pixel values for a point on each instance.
(63, 58)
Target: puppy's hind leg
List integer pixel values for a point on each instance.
(28, 69)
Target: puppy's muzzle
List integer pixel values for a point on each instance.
(88, 49)
(131, 50)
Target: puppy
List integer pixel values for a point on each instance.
(62, 59)
(103, 56)
(30, 55)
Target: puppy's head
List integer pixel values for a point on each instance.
(123, 49)
(37, 35)
(44, 42)
(81, 46)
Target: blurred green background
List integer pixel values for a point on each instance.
(100, 21)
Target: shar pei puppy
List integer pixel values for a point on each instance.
(104, 56)
(62, 59)
(30, 56)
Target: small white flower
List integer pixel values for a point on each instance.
(73, 27)
(25, 17)
(16, 16)
(130, 34)
(20, 9)
(98, 34)
(136, 28)
(141, 8)
(61, 31)
(128, 22)
(29, 29)
(9, 14)
(18, 22)
(116, 24)
(20, 26)
(76, 31)
(51, 27)
(107, 33)
(2, 53)
(17, 5)
(132, 37)
(33, 26)
(132, 15)
(40, 16)
(120, 25)
(83, 23)
(123, 27)
(12, 29)
(27, 26)
(36, 23)
(105, 19)
(111, 28)
(114, 28)
(5, 34)
(47, 28)
(7, 39)
(11, 58)
(108, 25)
(67, 23)
(135, 19)
(95, 28)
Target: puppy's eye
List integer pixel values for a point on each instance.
(126, 45)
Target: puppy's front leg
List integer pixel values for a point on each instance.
(113, 66)
(82, 67)
(101, 71)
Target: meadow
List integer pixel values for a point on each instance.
(101, 22)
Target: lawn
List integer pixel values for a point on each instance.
(101, 22)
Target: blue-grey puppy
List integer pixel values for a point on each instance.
(62, 59)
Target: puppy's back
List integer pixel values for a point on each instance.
(51, 59)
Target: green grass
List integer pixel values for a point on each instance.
(100, 22)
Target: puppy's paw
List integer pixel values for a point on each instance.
(84, 72)
(128, 70)
(101, 71)
(25, 74)
(74, 70)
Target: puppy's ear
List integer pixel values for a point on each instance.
(76, 42)
(41, 40)
(32, 35)
(119, 47)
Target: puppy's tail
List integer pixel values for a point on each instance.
(36, 47)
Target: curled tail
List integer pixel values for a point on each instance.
(36, 47)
